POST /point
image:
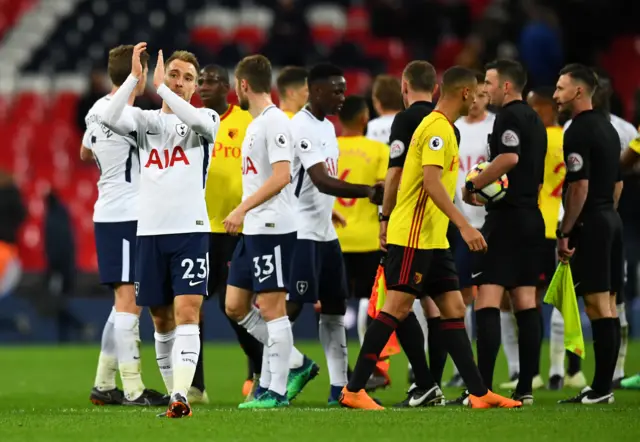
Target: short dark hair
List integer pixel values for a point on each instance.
(256, 70)
(480, 77)
(510, 69)
(222, 72)
(456, 77)
(353, 106)
(604, 91)
(322, 72)
(387, 89)
(581, 73)
(421, 76)
(291, 76)
(119, 66)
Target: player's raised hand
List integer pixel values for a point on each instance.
(158, 73)
(473, 238)
(233, 221)
(136, 64)
(376, 193)
(470, 198)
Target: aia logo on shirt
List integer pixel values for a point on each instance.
(167, 158)
(248, 168)
(332, 167)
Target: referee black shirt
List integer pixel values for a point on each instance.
(404, 125)
(592, 152)
(518, 129)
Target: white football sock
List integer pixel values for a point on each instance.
(127, 337)
(164, 346)
(107, 361)
(624, 342)
(468, 324)
(257, 327)
(265, 375)
(333, 337)
(422, 320)
(186, 350)
(509, 337)
(556, 344)
(280, 345)
(362, 318)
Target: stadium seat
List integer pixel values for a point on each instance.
(29, 106)
(251, 38)
(326, 36)
(64, 106)
(357, 81)
(209, 37)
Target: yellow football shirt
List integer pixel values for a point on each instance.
(362, 161)
(416, 222)
(223, 190)
(635, 145)
(289, 114)
(550, 198)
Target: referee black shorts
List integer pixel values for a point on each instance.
(598, 262)
(420, 272)
(515, 240)
(361, 268)
(549, 262)
(221, 247)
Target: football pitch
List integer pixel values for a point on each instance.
(44, 396)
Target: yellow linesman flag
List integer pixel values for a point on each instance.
(562, 295)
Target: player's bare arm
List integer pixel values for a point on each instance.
(342, 189)
(280, 177)
(432, 184)
(337, 219)
(85, 154)
(617, 192)
(576, 195)
(203, 122)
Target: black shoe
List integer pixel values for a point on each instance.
(462, 400)
(616, 384)
(455, 382)
(411, 376)
(589, 397)
(109, 397)
(422, 397)
(149, 398)
(376, 382)
(526, 398)
(556, 382)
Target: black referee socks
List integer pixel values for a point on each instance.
(436, 348)
(528, 348)
(375, 339)
(411, 339)
(488, 342)
(454, 337)
(604, 348)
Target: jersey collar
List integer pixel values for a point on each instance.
(227, 112)
(422, 103)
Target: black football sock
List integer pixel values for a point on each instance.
(528, 348)
(198, 377)
(375, 339)
(454, 336)
(604, 347)
(411, 339)
(437, 350)
(575, 363)
(250, 345)
(618, 341)
(488, 342)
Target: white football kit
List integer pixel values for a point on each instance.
(173, 226)
(379, 129)
(474, 139)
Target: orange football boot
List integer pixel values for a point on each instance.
(360, 400)
(492, 400)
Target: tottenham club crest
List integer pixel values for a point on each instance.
(181, 129)
(302, 286)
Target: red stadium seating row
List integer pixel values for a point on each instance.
(11, 11)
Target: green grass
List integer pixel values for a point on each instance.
(44, 397)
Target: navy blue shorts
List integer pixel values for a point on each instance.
(463, 258)
(317, 272)
(171, 265)
(261, 263)
(115, 246)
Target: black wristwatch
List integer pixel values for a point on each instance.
(471, 188)
(382, 217)
(561, 235)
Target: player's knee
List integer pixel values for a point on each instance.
(163, 319)
(429, 307)
(597, 306)
(272, 305)
(187, 309)
(235, 310)
(398, 307)
(125, 299)
(333, 307)
(451, 305)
